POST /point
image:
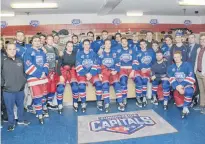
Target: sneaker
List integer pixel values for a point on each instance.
(139, 102)
(198, 108)
(31, 109)
(125, 102)
(185, 112)
(202, 111)
(121, 107)
(40, 118)
(5, 120)
(100, 105)
(154, 100)
(75, 107)
(83, 107)
(24, 123)
(144, 102)
(107, 108)
(10, 128)
(52, 107)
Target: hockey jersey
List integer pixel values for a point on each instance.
(21, 49)
(184, 50)
(87, 63)
(109, 60)
(125, 56)
(35, 64)
(134, 46)
(182, 75)
(143, 60)
(76, 47)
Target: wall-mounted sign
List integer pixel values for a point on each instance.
(4, 24)
(116, 21)
(153, 22)
(76, 22)
(34, 23)
(187, 22)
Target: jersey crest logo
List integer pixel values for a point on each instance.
(87, 63)
(39, 60)
(146, 59)
(124, 124)
(180, 76)
(126, 57)
(108, 62)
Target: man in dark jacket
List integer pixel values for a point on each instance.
(13, 81)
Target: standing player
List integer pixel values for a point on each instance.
(134, 43)
(142, 62)
(149, 39)
(182, 80)
(43, 39)
(159, 76)
(155, 46)
(36, 68)
(110, 67)
(87, 69)
(76, 43)
(125, 56)
(52, 57)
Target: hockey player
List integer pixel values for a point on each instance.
(180, 47)
(100, 48)
(36, 68)
(134, 43)
(76, 43)
(182, 80)
(159, 76)
(110, 66)
(43, 39)
(149, 39)
(67, 74)
(116, 44)
(142, 62)
(125, 54)
(155, 46)
(52, 57)
(87, 70)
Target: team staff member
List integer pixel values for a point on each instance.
(13, 82)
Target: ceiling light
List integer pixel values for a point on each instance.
(134, 13)
(34, 5)
(192, 2)
(7, 14)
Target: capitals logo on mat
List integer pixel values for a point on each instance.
(124, 124)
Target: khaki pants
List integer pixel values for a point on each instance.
(201, 83)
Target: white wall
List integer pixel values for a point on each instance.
(93, 18)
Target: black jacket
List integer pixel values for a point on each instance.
(192, 54)
(12, 75)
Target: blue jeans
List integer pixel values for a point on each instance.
(10, 100)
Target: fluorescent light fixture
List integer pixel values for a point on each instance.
(34, 5)
(7, 14)
(192, 2)
(134, 13)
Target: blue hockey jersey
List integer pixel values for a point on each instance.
(184, 50)
(21, 49)
(143, 59)
(77, 47)
(35, 64)
(87, 63)
(134, 46)
(182, 75)
(125, 56)
(110, 61)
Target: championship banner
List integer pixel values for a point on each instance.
(76, 22)
(34, 23)
(116, 21)
(154, 22)
(187, 22)
(4, 24)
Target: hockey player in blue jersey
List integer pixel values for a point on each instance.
(76, 44)
(109, 69)
(134, 43)
(125, 55)
(159, 76)
(179, 47)
(155, 46)
(116, 44)
(36, 68)
(101, 42)
(182, 80)
(87, 70)
(142, 62)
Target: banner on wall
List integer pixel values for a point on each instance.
(76, 22)
(4, 24)
(116, 21)
(154, 22)
(34, 23)
(187, 22)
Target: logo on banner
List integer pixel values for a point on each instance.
(153, 21)
(34, 23)
(125, 123)
(4, 24)
(76, 22)
(116, 21)
(187, 22)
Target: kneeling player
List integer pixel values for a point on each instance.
(36, 68)
(67, 73)
(110, 67)
(182, 80)
(159, 76)
(87, 69)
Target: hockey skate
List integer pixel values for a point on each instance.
(75, 107)
(83, 107)
(185, 112)
(121, 107)
(144, 101)
(139, 102)
(40, 118)
(60, 109)
(125, 102)
(154, 100)
(165, 105)
(107, 108)
(100, 105)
